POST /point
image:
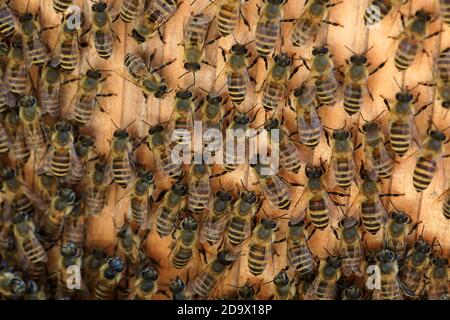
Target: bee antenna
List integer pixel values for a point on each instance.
(234, 38)
(146, 123)
(243, 185)
(251, 109)
(247, 43)
(350, 50)
(399, 86)
(328, 252)
(204, 90)
(365, 52)
(183, 74)
(362, 117)
(264, 211)
(115, 125)
(378, 116)
(394, 205)
(89, 64)
(129, 125)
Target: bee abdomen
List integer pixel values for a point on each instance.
(352, 98)
(137, 212)
(103, 42)
(318, 213)
(343, 174)
(423, 173)
(61, 5)
(121, 172)
(326, 90)
(68, 57)
(60, 163)
(303, 33)
(129, 10)
(405, 54)
(446, 207)
(7, 26)
(182, 258)
(237, 87)
(257, 259)
(370, 217)
(376, 12)
(265, 39)
(227, 19)
(445, 11)
(271, 96)
(236, 231)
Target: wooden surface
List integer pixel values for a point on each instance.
(128, 105)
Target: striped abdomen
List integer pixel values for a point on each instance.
(129, 10)
(237, 86)
(197, 201)
(103, 42)
(23, 203)
(172, 169)
(84, 109)
(376, 11)
(60, 162)
(17, 76)
(95, 200)
(266, 37)
(231, 161)
(68, 55)
(53, 225)
(289, 156)
(197, 29)
(390, 289)
(105, 289)
(318, 212)
(272, 95)
(405, 54)
(37, 271)
(352, 98)
(351, 263)
(309, 131)
(343, 173)
(182, 257)
(228, 17)
(257, 260)
(3, 96)
(445, 10)
(300, 257)
(304, 32)
(165, 221)
(204, 284)
(36, 51)
(279, 196)
(121, 171)
(326, 89)
(325, 291)
(61, 5)
(138, 211)
(400, 136)
(235, 232)
(7, 26)
(370, 216)
(4, 141)
(423, 173)
(446, 207)
(49, 99)
(20, 149)
(383, 167)
(33, 250)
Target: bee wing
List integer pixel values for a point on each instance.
(194, 24)
(154, 10)
(290, 149)
(76, 166)
(38, 202)
(383, 156)
(278, 187)
(33, 43)
(201, 186)
(45, 162)
(213, 225)
(305, 126)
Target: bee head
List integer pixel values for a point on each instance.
(437, 135)
(69, 249)
(26, 17)
(189, 224)
(358, 59)
(271, 124)
(370, 127)
(283, 60)
(99, 6)
(116, 264)
(155, 129)
(224, 195)
(161, 91)
(94, 74)
(333, 262)
(149, 274)
(241, 118)
(313, 172)
(121, 134)
(213, 99)
(137, 36)
(399, 217)
(268, 223)
(192, 66)
(341, 135)
(183, 95)
(239, 49)
(320, 51)
(179, 189)
(19, 217)
(422, 246)
(423, 15)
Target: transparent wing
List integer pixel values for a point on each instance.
(213, 226)
(196, 30)
(159, 12)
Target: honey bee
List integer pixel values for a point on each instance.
(127, 246)
(59, 208)
(47, 185)
(355, 81)
(442, 78)
(173, 203)
(140, 198)
(146, 285)
(35, 47)
(30, 116)
(275, 190)
(411, 40)
(195, 33)
(274, 88)
(307, 27)
(349, 246)
(436, 278)
(62, 157)
(155, 16)
(376, 154)
(67, 47)
(145, 77)
(414, 267)
(83, 147)
(268, 27)
(99, 180)
(156, 142)
(247, 292)
(131, 9)
(177, 287)
(299, 256)
(426, 162)
(199, 187)
(342, 162)
(236, 72)
(379, 9)
(109, 276)
(181, 120)
(182, 249)
(212, 111)
(74, 230)
(34, 291)
(398, 227)
(401, 121)
(102, 31)
(49, 90)
(352, 292)
(11, 285)
(120, 158)
(70, 256)
(240, 224)
(289, 155)
(7, 25)
(4, 141)
(284, 288)
(91, 267)
(324, 286)
(322, 74)
(216, 218)
(16, 74)
(25, 235)
(309, 125)
(228, 16)
(260, 246)
(203, 285)
(389, 284)
(317, 197)
(61, 5)
(18, 145)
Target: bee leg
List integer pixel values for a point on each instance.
(423, 108)
(327, 137)
(414, 227)
(212, 41)
(331, 5)
(69, 81)
(161, 67)
(224, 54)
(380, 66)
(258, 9)
(434, 34)
(294, 72)
(253, 63)
(208, 63)
(161, 38)
(289, 20)
(386, 102)
(244, 19)
(49, 28)
(265, 62)
(202, 253)
(331, 23)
